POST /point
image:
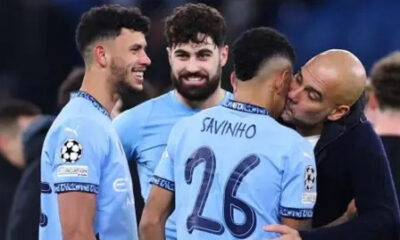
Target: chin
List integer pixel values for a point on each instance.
(137, 87)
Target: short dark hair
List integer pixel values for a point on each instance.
(71, 84)
(106, 22)
(256, 46)
(187, 21)
(385, 80)
(12, 109)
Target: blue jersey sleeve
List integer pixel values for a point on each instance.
(299, 182)
(81, 148)
(164, 173)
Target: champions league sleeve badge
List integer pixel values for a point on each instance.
(71, 151)
(309, 196)
(309, 178)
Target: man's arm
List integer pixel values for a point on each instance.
(350, 213)
(77, 210)
(298, 224)
(374, 196)
(159, 206)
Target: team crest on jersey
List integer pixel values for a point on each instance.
(71, 151)
(309, 178)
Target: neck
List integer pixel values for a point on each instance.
(213, 100)
(311, 131)
(256, 96)
(387, 122)
(96, 84)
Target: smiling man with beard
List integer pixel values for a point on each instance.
(86, 189)
(196, 51)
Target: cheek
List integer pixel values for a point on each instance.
(309, 111)
(177, 67)
(211, 67)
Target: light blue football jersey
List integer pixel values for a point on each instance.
(82, 153)
(241, 169)
(144, 132)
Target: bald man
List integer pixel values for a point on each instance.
(324, 104)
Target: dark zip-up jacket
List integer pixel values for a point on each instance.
(351, 163)
(25, 211)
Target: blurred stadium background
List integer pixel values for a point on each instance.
(38, 50)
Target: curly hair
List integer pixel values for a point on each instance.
(106, 22)
(195, 22)
(385, 80)
(257, 45)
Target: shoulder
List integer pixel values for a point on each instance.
(82, 128)
(362, 135)
(138, 114)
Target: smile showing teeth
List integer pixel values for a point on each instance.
(138, 74)
(193, 79)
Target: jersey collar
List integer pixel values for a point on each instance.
(245, 107)
(95, 103)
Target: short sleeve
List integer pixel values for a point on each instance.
(164, 173)
(299, 182)
(81, 147)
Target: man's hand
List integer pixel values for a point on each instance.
(287, 233)
(351, 211)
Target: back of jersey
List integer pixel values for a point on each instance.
(235, 170)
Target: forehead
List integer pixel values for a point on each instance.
(320, 78)
(319, 74)
(128, 36)
(190, 46)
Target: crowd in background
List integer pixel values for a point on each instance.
(39, 53)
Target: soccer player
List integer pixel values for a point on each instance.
(197, 52)
(86, 189)
(230, 169)
(351, 162)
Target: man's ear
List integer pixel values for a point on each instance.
(233, 81)
(3, 144)
(100, 55)
(372, 101)
(224, 52)
(338, 112)
(169, 54)
(282, 82)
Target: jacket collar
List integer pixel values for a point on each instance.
(332, 130)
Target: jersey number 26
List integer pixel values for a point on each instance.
(231, 201)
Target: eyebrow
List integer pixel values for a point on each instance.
(203, 51)
(200, 51)
(137, 45)
(180, 51)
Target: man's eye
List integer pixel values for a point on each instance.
(313, 96)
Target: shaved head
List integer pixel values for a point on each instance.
(342, 71)
(324, 89)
